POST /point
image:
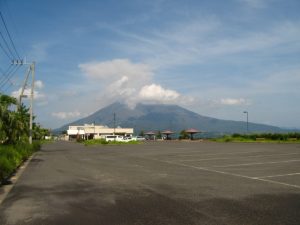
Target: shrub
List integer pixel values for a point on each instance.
(95, 142)
(235, 135)
(104, 142)
(11, 157)
(6, 167)
(271, 137)
(227, 139)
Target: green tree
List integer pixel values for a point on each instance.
(7, 121)
(22, 119)
(158, 135)
(14, 120)
(39, 133)
(183, 135)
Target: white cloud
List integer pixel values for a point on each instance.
(39, 84)
(177, 44)
(115, 69)
(37, 94)
(66, 115)
(128, 82)
(233, 101)
(199, 40)
(157, 93)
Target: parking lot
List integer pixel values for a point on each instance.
(167, 182)
(273, 163)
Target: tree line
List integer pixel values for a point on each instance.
(269, 136)
(14, 136)
(14, 122)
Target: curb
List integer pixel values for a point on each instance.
(5, 189)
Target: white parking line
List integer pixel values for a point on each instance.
(250, 164)
(280, 175)
(226, 173)
(238, 157)
(225, 153)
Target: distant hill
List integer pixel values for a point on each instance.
(161, 117)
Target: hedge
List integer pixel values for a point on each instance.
(269, 136)
(12, 156)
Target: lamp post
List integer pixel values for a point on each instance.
(94, 137)
(115, 126)
(247, 121)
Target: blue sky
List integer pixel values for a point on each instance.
(217, 58)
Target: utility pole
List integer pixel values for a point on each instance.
(31, 70)
(94, 137)
(31, 101)
(115, 126)
(247, 122)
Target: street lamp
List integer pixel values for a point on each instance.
(94, 137)
(247, 121)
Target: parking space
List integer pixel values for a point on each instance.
(170, 182)
(292, 178)
(274, 162)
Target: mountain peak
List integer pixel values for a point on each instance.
(161, 117)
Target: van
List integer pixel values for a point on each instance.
(114, 138)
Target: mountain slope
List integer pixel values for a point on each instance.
(161, 117)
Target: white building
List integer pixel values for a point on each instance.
(92, 131)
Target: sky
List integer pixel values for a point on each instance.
(216, 58)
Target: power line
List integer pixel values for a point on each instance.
(10, 75)
(4, 74)
(6, 53)
(9, 17)
(11, 84)
(14, 47)
(9, 48)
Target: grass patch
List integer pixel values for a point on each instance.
(104, 142)
(12, 156)
(261, 138)
(95, 142)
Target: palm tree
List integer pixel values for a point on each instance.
(6, 103)
(14, 120)
(21, 125)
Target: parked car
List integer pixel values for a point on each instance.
(127, 139)
(138, 138)
(114, 138)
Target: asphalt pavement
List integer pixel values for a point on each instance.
(157, 183)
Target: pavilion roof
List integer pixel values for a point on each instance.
(192, 130)
(167, 132)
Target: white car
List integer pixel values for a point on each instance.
(138, 138)
(114, 138)
(127, 139)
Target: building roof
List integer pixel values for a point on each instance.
(75, 132)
